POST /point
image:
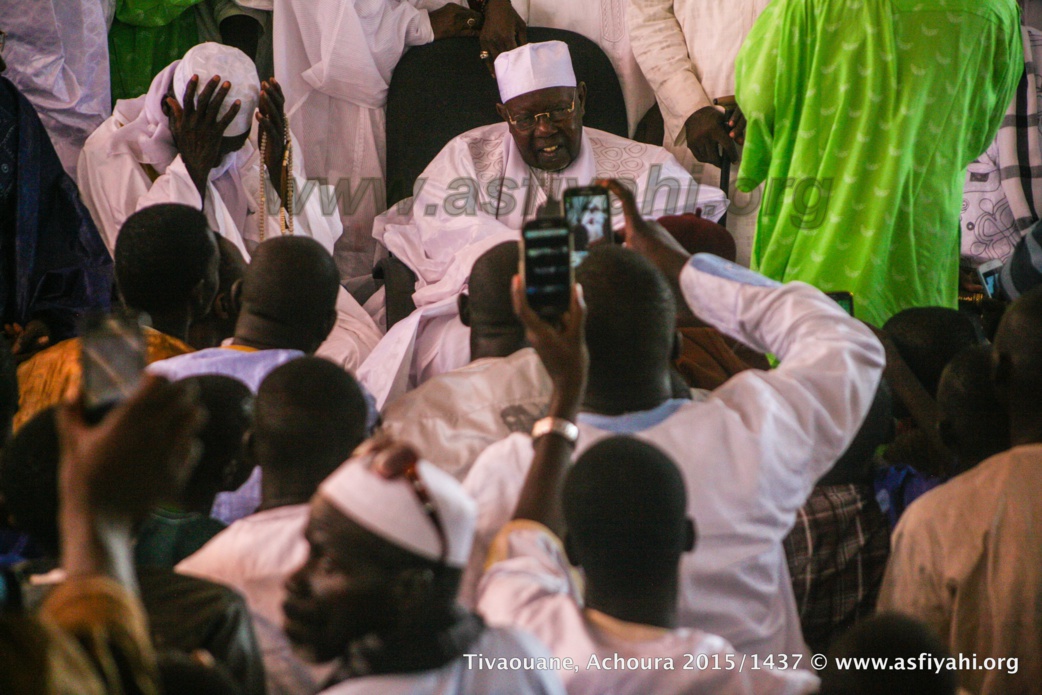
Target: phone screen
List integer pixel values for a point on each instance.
(844, 299)
(990, 280)
(113, 359)
(588, 212)
(548, 267)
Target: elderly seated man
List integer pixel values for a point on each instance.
(194, 139)
(487, 182)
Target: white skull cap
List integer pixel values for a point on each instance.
(391, 508)
(532, 67)
(234, 66)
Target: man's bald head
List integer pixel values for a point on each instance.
(495, 330)
(630, 325)
(288, 297)
(625, 506)
(309, 416)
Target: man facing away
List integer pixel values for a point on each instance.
(167, 267)
(288, 306)
(750, 453)
(965, 559)
(504, 389)
(309, 416)
(862, 119)
(621, 515)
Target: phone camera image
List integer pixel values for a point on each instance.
(590, 216)
(113, 359)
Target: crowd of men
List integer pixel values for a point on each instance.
(704, 476)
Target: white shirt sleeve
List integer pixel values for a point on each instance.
(807, 411)
(661, 51)
(115, 187)
(526, 563)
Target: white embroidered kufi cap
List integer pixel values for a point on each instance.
(532, 67)
(392, 508)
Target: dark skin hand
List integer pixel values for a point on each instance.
(271, 116)
(651, 240)
(28, 340)
(562, 350)
(197, 130)
(735, 118)
(504, 30)
(455, 20)
(708, 133)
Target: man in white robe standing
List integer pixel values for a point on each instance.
(486, 183)
(57, 55)
(335, 58)
(687, 50)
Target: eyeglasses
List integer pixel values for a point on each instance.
(525, 123)
(409, 471)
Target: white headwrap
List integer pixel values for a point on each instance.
(391, 508)
(234, 66)
(534, 66)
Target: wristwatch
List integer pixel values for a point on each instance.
(556, 425)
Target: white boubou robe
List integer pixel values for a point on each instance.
(130, 163)
(334, 60)
(477, 193)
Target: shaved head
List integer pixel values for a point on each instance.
(630, 329)
(288, 297)
(1018, 355)
(625, 507)
(495, 330)
(310, 416)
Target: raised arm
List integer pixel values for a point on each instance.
(567, 361)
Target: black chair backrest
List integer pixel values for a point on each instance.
(443, 89)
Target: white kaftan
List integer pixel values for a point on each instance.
(453, 417)
(334, 60)
(750, 453)
(255, 556)
(530, 585)
(477, 193)
(687, 50)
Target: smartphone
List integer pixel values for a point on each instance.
(989, 277)
(547, 246)
(588, 211)
(113, 360)
(844, 299)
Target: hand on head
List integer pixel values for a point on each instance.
(198, 131)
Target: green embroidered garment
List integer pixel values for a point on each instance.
(863, 116)
(146, 36)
